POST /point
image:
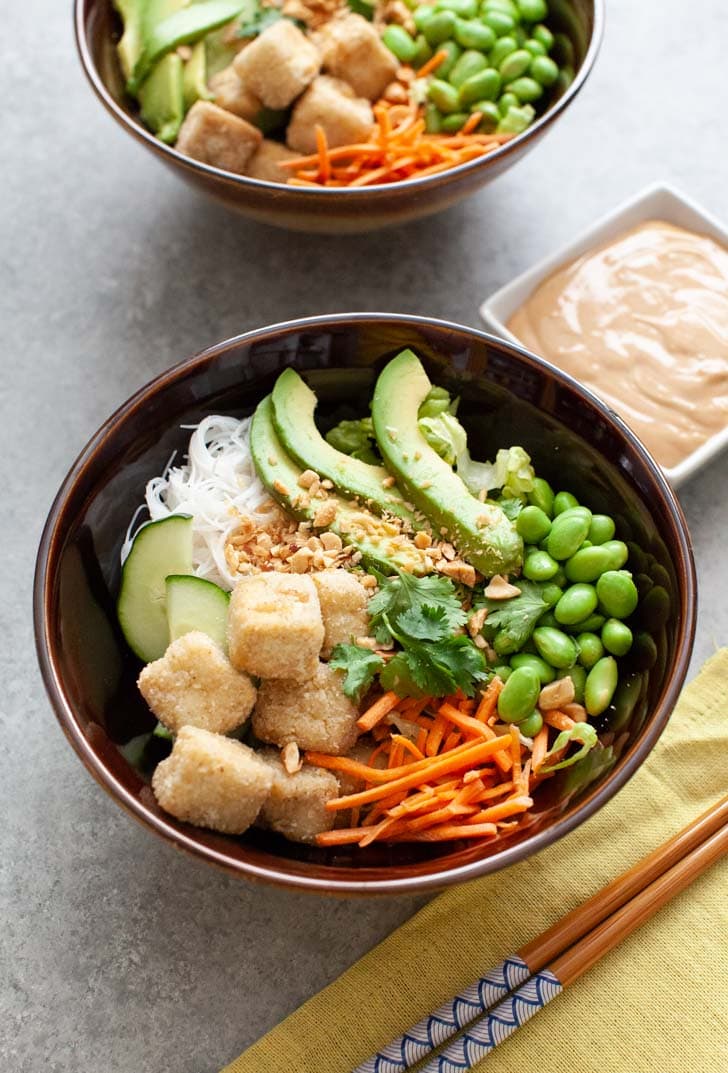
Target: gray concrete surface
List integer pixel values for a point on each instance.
(118, 954)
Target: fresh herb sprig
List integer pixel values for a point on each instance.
(511, 622)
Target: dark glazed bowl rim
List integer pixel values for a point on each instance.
(138, 131)
(45, 599)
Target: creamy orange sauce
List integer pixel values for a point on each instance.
(642, 321)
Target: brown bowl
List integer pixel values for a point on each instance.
(507, 396)
(329, 210)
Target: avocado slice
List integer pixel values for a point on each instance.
(129, 48)
(194, 79)
(293, 407)
(480, 531)
(381, 544)
(161, 98)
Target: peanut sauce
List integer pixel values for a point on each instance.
(642, 321)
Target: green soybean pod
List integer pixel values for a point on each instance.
(439, 27)
(542, 34)
(545, 673)
(471, 33)
(526, 89)
(548, 619)
(423, 52)
(586, 564)
(551, 594)
(531, 725)
(399, 42)
(555, 647)
(655, 609)
(563, 50)
(542, 496)
(453, 53)
(506, 102)
(502, 48)
(444, 96)
(532, 10)
(490, 116)
(433, 118)
(503, 671)
(539, 566)
(564, 501)
(501, 5)
(518, 697)
(483, 86)
(590, 625)
(422, 15)
(560, 579)
(644, 651)
(617, 593)
(500, 22)
(618, 553)
(566, 77)
(543, 70)
(601, 683)
(469, 63)
(576, 604)
(534, 47)
(616, 637)
(515, 64)
(566, 536)
(516, 119)
(465, 9)
(578, 676)
(591, 649)
(601, 529)
(451, 124)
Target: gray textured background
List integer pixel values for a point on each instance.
(117, 954)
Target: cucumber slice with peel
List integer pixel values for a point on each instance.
(159, 549)
(196, 604)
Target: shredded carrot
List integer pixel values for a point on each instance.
(473, 727)
(454, 738)
(407, 746)
(449, 832)
(516, 752)
(486, 708)
(540, 748)
(432, 64)
(558, 720)
(377, 712)
(471, 123)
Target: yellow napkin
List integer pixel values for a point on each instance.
(659, 1002)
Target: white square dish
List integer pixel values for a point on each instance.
(656, 202)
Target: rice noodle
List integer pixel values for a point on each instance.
(216, 485)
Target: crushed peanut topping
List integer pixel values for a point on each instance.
(283, 545)
(291, 758)
(477, 621)
(458, 570)
(422, 539)
(556, 694)
(387, 482)
(307, 478)
(280, 487)
(500, 588)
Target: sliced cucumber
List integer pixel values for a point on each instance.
(196, 604)
(159, 549)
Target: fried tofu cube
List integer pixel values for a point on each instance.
(279, 64)
(264, 164)
(194, 684)
(343, 602)
(296, 804)
(332, 105)
(275, 629)
(233, 95)
(219, 138)
(212, 781)
(315, 714)
(353, 50)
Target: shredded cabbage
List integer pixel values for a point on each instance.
(216, 485)
(512, 472)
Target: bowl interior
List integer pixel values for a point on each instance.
(507, 397)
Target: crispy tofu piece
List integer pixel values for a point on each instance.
(343, 608)
(264, 162)
(353, 50)
(233, 95)
(212, 781)
(219, 138)
(296, 804)
(279, 64)
(194, 684)
(315, 714)
(333, 105)
(275, 629)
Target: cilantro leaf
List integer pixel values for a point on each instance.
(435, 669)
(511, 622)
(511, 508)
(427, 624)
(360, 665)
(260, 18)
(407, 592)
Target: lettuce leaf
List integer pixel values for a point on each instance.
(511, 472)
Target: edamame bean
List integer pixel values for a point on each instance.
(533, 10)
(539, 566)
(531, 725)
(470, 63)
(578, 676)
(576, 604)
(399, 42)
(545, 673)
(587, 564)
(422, 14)
(501, 5)
(451, 124)
(444, 96)
(543, 70)
(590, 625)
(526, 89)
(566, 536)
(591, 649)
(616, 637)
(505, 102)
(453, 53)
(617, 593)
(423, 52)
(518, 697)
(601, 683)
(618, 553)
(439, 27)
(471, 33)
(564, 501)
(601, 529)
(483, 86)
(515, 64)
(543, 34)
(433, 119)
(542, 496)
(563, 50)
(500, 22)
(551, 594)
(655, 609)
(644, 651)
(490, 116)
(534, 47)
(566, 77)
(466, 9)
(548, 619)
(502, 48)
(503, 671)
(560, 579)
(555, 647)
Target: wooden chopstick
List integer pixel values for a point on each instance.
(517, 970)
